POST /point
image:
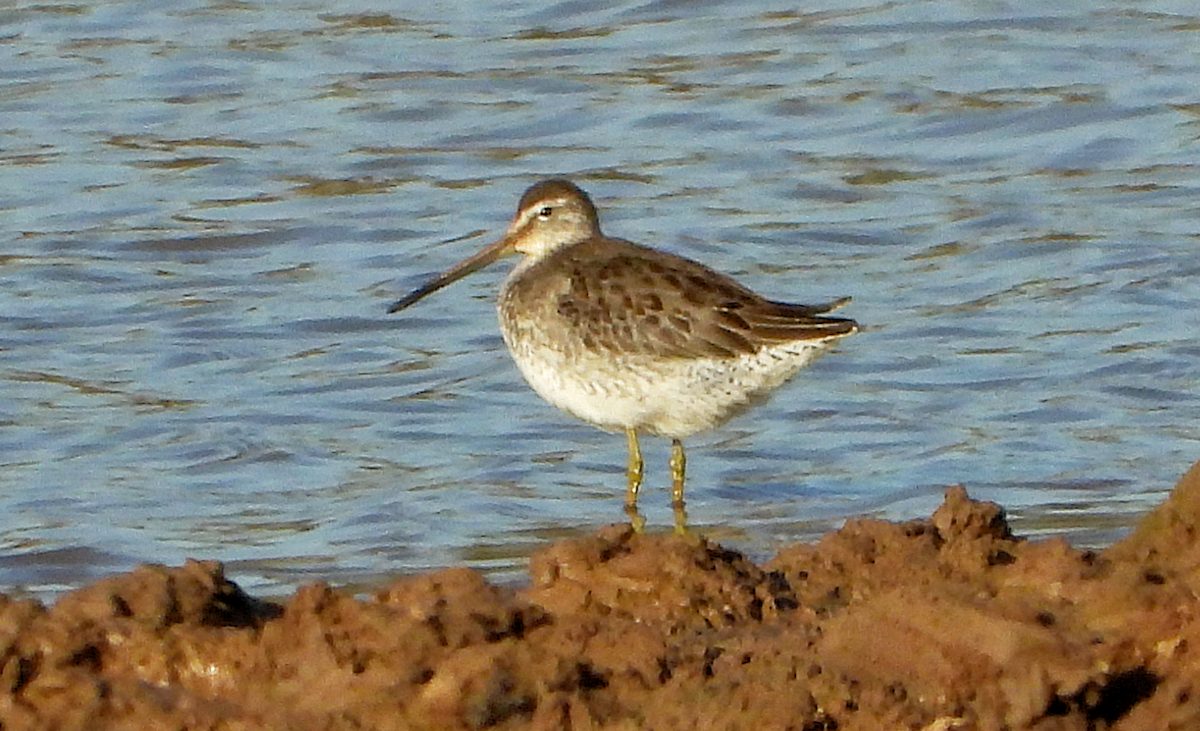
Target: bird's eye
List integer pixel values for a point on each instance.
(545, 212)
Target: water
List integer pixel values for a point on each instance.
(206, 209)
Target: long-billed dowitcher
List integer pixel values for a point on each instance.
(634, 339)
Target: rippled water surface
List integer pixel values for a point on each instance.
(206, 209)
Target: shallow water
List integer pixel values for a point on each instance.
(207, 209)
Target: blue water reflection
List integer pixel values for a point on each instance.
(207, 209)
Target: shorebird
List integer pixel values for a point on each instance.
(634, 339)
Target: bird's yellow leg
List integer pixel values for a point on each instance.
(678, 468)
(634, 472)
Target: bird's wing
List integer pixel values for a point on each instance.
(628, 299)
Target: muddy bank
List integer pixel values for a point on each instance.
(939, 623)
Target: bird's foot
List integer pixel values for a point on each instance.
(681, 527)
(637, 521)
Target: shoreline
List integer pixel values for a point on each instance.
(949, 621)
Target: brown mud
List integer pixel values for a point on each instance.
(949, 622)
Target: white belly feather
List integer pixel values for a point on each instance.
(672, 397)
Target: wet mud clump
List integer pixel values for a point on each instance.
(941, 623)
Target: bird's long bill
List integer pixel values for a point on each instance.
(468, 266)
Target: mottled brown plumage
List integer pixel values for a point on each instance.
(635, 339)
(621, 297)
